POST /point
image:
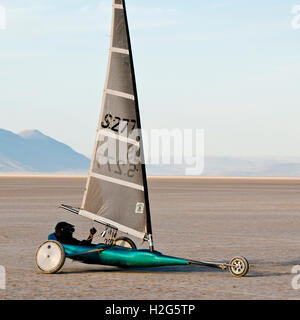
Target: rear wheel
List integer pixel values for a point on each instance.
(50, 257)
(125, 242)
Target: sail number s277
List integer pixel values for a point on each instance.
(118, 124)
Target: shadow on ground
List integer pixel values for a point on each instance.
(173, 269)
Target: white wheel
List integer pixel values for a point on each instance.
(50, 256)
(125, 242)
(239, 266)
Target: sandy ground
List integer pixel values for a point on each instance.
(208, 219)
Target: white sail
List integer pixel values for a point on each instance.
(116, 188)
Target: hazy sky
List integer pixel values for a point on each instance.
(231, 67)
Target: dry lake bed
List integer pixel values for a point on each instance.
(211, 219)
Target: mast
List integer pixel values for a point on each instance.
(147, 205)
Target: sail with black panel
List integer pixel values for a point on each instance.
(116, 193)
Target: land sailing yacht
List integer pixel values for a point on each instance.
(116, 193)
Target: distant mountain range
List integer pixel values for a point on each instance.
(31, 151)
(236, 167)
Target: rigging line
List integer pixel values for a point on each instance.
(112, 224)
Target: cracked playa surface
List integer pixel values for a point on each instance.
(209, 219)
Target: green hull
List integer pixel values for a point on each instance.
(120, 256)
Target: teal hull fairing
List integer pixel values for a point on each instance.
(120, 256)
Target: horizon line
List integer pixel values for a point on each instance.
(79, 176)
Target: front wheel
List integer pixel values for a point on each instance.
(239, 266)
(125, 242)
(50, 257)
